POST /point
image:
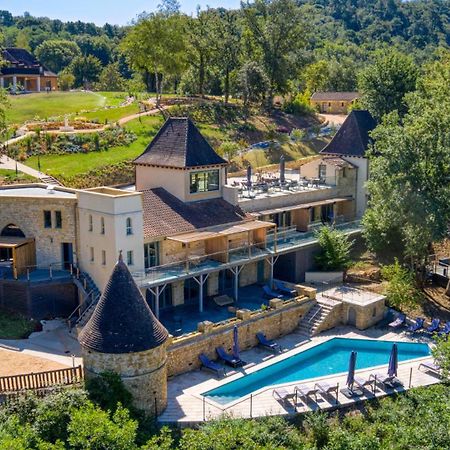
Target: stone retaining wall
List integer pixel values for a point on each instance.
(280, 319)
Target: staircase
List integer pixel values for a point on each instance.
(79, 317)
(47, 179)
(316, 317)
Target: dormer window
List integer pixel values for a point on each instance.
(205, 181)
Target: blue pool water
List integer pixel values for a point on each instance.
(329, 358)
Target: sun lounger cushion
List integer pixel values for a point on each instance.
(223, 300)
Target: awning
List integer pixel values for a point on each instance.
(220, 231)
(14, 242)
(329, 201)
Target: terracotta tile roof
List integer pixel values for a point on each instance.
(165, 215)
(338, 162)
(334, 96)
(353, 138)
(179, 144)
(122, 322)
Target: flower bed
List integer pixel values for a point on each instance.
(55, 126)
(62, 144)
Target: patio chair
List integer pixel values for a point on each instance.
(268, 343)
(269, 293)
(283, 395)
(325, 389)
(211, 365)
(229, 359)
(398, 322)
(283, 289)
(434, 326)
(305, 392)
(431, 367)
(446, 330)
(385, 379)
(418, 325)
(363, 383)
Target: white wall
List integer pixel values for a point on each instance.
(176, 181)
(114, 209)
(362, 177)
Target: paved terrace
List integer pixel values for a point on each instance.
(186, 406)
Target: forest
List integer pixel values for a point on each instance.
(259, 50)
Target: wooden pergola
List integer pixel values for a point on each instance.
(23, 253)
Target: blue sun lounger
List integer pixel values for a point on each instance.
(398, 322)
(211, 365)
(416, 326)
(435, 325)
(283, 289)
(267, 343)
(269, 293)
(446, 330)
(229, 359)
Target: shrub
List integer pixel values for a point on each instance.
(299, 105)
(334, 251)
(401, 288)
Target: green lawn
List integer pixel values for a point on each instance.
(56, 104)
(67, 166)
(111, 115)
(10, 176)
(15, 327)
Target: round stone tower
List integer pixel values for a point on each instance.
(124, 336)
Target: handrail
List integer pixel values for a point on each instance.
(315, 314)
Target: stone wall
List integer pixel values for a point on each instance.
(28, 214)
(281, 319)
(144, 374)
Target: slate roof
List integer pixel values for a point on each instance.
(335, 96)
(20, 56)
(166, 215)
(179, 144)
(352, 139)
(122, 322)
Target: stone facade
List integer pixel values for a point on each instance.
(28, 214)
(144, 374)
(281, 319)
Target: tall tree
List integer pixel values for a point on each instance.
(227, 45)
(57, 54)
(410, 171)
(277, 30)
(200, 38)
(85, 69)
(384, 83)
(156, 45)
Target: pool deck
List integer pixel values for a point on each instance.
(186, 406)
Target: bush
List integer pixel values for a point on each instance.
(401, 288)
(334, 251)
(299, 105)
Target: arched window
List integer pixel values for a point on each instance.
(102, 225)
(129, 226)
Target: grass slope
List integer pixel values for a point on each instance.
(68, 166)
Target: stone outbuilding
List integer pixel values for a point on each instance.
(124, 336)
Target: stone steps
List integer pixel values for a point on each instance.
(314, 318)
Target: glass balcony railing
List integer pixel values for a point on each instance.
(284, 240)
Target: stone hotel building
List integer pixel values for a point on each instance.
(191, 238)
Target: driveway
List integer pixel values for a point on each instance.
(334, 119)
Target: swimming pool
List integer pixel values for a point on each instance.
(328, 358)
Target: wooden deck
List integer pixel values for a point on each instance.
(186, 405)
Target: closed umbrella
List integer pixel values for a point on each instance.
(249, 177)
(282, 169)
(393, 361)
(235, 342)
(351, 370)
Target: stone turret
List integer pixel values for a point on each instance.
(124, 336)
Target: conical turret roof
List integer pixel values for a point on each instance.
(122, 322)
